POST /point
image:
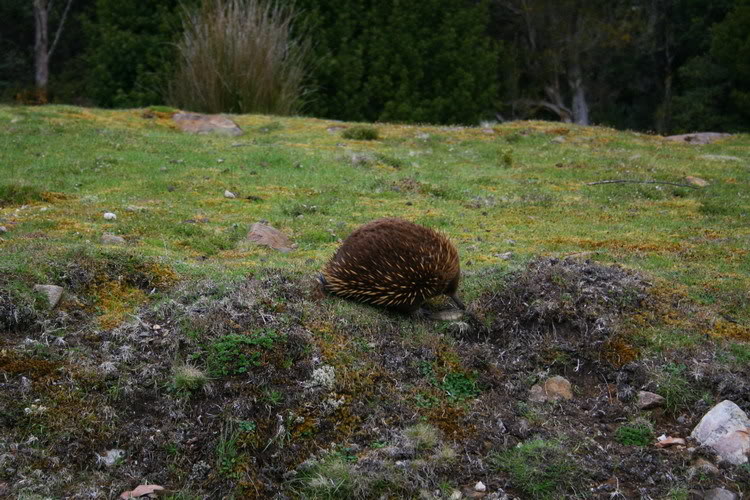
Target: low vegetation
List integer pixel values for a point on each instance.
(183, 354)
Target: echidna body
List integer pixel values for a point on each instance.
(395, 264)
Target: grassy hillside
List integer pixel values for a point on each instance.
(214, 367)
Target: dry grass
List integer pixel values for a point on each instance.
(240, 56)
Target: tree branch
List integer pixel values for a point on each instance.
(60, 27)
(622, 181)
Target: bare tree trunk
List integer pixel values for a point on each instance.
(580, 107)
(42, 50)
(41, 41)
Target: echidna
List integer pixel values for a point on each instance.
(395, 264)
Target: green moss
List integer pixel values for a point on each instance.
(19, 194)
(235, 354)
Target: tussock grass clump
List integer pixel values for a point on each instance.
(240, 56)
(361, 133)
(188, 379)
(19, 194)
(539, 468)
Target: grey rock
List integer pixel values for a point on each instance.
(110, 458)
(720, 494)
(698, 137)
(648, 400)
(558, 140)
(3, 229)
(229, 194)
(726, 430)
(112, 239)
(53, 293)
(197, 123)
(110, 216)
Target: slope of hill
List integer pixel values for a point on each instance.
(182, 354)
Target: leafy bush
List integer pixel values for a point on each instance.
(240, 56)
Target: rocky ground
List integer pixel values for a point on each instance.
(264, 388)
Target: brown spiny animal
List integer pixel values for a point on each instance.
(395, 264)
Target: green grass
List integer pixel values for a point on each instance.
(187, 256)
(539, 468)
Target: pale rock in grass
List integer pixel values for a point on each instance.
(197, 123)
(696, 181)
(264, 234)
(110, 216)
(112, 239)
(480, 487)
(726, 430)
(110, 458)
(3, 229)
(553, 389)
(698, 137)
(648, 400)
(558, 140)
(53, 293)
(720, 494)
(229, 194)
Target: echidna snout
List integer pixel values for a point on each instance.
(395, 264)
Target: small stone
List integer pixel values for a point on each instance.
(666, 441)
(456, 495)
(480, 486)
(648, 400)
(53, 293)
(447, 315)
(558, 387)
(110, 458)
(559, 139)
(264, 234)
(553, 389)
(720, 494)
(112, 239)
(3, 229)
(696, 181)
(504, 256)
(703, 465)
(109, 216)
(229, 194)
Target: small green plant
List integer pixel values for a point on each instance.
(460, 386)
(361, 133)
(675, 387)
(235, 354)
(227, 453)
(246, 426)
(273, 397)
(187, 379)
(539, 468)
(638, 434)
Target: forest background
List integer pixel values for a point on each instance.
(664, 66)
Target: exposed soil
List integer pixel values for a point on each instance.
(328, 406)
